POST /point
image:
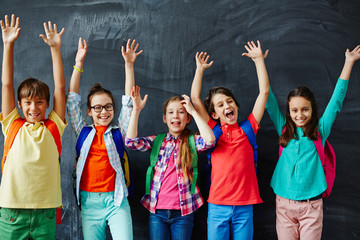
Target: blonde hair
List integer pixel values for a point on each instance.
(184, 148)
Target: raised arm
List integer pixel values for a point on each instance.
(201, 65)
(138, 105)
(130, 56)
(53, 40)
(256, 54)
(350, 59)
(78, 67)
(204, 129)
(10, 32)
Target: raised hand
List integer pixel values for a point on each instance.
(130, 54)
(81, 53)
(52, 38)
(10, 31)
(354, 55)
(254, 52)
(138, 103)
(187, 104)
(202, 60)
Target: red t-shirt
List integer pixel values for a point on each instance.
(98, 174)
(233, 176)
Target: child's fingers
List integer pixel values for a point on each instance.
(211, 63)
(62, 31)
(85, 44)
(50, 26)
(55, 28)
(43, 37)
(2, 24)
(207, 58)
(247, 48)
(12, 24)
(137, 54)
(80, 45)
(46, 28)
(133, 44)
(6, 21)
(253, 44)
(17, 22)
(258, 42)
(197, 55)
(145, 99)
(266, 53)
(128, 44)
(136, 47)
(357, 48)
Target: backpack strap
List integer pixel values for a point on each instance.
(249, 131)
(55, 133)
(194, 161)
(217, 132)
(154, 157)
(118, 141)
(320, 149)
(81, 139)
(13, 130)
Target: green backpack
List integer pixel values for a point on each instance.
(154, 157)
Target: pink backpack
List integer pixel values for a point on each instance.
(328, 161)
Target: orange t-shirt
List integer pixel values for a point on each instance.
(233, 176)
(98, 174)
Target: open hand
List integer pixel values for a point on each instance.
(52, 38)
(138, 103)
(354, 55)
(187, 104)
(10, 32)
(254, 51)
(130, 54)
(202, 60)
(81, 53)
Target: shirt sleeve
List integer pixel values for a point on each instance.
(58, 121)
(272, 107)
(124, 117)
(6, 123)
(201, 144)
(140, 143)
(333, 108)
(253, 123)
(74, 112)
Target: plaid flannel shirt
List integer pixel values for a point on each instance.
(78, 122)
(188, 202)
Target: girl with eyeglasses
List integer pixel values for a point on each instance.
(100, 183)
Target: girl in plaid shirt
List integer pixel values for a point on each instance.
(170, 202)
(100, 182)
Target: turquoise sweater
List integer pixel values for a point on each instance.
(299, 174)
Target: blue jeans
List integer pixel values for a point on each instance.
(169, 223)
(97, 209)
(225, 218)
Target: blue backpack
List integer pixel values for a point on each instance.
(120, 149)
(249, 131)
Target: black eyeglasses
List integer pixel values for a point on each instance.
(98, 108)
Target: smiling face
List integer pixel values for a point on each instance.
(300, 111)
(176, 117)
(104, 117)
(225, 109)
(34, 109)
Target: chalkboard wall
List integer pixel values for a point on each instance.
(307, 40)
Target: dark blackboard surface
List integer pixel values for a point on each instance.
(307, 40)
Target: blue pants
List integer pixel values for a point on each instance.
(169, 223)
(225, 218)
(97, 209)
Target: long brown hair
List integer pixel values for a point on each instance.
(184, 148)
(310, 129)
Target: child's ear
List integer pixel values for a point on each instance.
(164, 118)
(89, 112)
(188, 119)
(19, 104)
(214, 115)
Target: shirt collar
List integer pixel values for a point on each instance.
(171, 137)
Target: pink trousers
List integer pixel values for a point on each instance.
(299, 219)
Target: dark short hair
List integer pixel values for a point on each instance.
(31, 88)
(212, 92)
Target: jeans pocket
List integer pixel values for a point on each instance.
(8, 215)
(317, 204)
(49, 213)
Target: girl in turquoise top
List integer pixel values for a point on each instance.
(298, 180)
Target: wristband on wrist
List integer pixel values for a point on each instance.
(78, 69)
